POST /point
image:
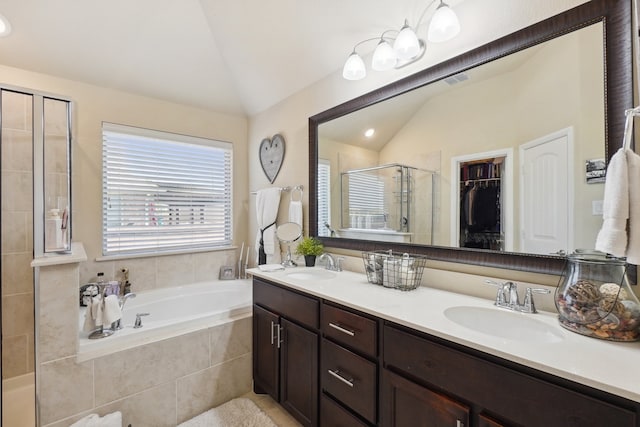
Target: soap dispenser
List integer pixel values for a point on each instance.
(594, 299)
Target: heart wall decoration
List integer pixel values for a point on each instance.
(271, 153)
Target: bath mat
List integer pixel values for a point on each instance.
(240, 412)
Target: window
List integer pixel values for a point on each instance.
(164, 192)
(366, 200)
(324, 197)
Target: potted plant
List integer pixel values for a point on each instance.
(310, 247)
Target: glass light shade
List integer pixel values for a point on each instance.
(384, 57)
(444, 24)
(407, 45)
(5, 27)
(354, 68)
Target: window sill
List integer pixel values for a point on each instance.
(159, 254)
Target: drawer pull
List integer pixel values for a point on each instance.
(272, 335)
(343, 330)
(336, 375)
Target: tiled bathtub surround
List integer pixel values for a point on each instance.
(17, 246)
(157, 384)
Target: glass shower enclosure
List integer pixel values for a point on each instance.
(393, 199)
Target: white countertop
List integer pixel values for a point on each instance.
(605, 365)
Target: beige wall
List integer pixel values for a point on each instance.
(92, 106)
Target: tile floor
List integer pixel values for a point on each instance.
(279, 416)
(18, 404)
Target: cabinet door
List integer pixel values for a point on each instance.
(265, 352)
(405, 403)
(299, 372)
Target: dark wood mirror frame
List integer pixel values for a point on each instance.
(615, 16)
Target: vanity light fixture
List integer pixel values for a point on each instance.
(407, 47)
(5, 26)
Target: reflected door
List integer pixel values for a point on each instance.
(545, 206)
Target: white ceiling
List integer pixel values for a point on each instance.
(235, 56)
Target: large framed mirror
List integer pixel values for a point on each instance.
(527, 121)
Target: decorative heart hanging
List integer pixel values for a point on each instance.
(271, 156)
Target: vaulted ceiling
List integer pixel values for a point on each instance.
(235, 56)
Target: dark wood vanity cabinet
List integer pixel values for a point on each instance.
(333, 366)
(405, 403)
(349, 364)
(285, 349)
(488, 385)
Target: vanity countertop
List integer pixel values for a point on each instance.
(605, 365)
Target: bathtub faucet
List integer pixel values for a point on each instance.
(117, 325)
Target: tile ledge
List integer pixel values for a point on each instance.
(77, 255)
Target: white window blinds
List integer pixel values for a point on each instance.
(366, 200)
(324, 197)
(164, 192)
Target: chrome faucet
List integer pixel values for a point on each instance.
(507, 297)
(333, 264)
(117, 325)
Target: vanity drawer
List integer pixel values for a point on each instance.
(334, 415)
(351, 329)
(349, 378)
(519, 398)
(292, 305)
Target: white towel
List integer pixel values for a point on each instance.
(89, 322)
(111, 311)
(620, 232)
(111, 420)
(295, 212)
(270, 267)
(267, 204)
(612, 237)
(633, 247)
(96, 310)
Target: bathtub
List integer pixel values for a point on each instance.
(172, 312)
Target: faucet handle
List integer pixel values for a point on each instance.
(501, 300)
(528, 306)
(339, 263)
(138, 323)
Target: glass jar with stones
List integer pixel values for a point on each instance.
(594, 299)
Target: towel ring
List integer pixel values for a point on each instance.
(293, 191)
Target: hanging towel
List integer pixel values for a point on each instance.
(267, 204)
(111, 311)
(96, 310)
(633, 247)
(612, 237)
(620, 232)
(295, 212)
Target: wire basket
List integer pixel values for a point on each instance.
(392, 270)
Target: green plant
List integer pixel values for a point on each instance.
(310, 246)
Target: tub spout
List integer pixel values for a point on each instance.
(117, 325)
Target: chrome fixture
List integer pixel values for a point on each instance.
(507, 297)
(333, 264)
(404, 47)
(117, 325)
(138, 323)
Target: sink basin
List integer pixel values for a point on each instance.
(503, 324)
(312, 274)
